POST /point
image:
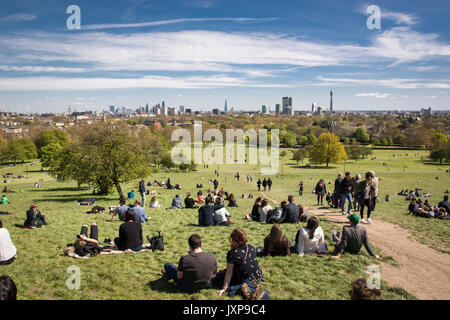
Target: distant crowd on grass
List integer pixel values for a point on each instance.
(426, 210)
(198, 270)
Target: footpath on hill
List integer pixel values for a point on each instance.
(423, 271)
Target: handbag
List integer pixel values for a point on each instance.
(157, 242)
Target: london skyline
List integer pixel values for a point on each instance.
(199, 53)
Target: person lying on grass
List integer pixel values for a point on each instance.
(243, 274)
(352, 238)
(87, 246)
(35, 219)
(195, 270)
(310, 239)
(275, 244)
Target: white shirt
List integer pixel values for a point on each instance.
(154, 205)
(7, 248)
(307, 245)
(263, 212)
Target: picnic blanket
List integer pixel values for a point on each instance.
(70, 251)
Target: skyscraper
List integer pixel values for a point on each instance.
(331, 101)
(264, 109)
(277, 108)
(287, 105)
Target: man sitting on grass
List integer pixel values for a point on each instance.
(352, 238)
(139, 212)
(176, 203)
(445, 204)
(195, 270)
(206, 213)
(120, 211)
(290, 212)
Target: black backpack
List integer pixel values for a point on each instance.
(157, 242)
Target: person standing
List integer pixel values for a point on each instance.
(142, 191)
(346, 189)
(216, 184)
(375, 195)
(337, 190)
(259, 184)
(368, 191)
(300, 190)
(269, 184)
(320, 190)
(264, 184)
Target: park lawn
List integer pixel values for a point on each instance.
(40, 269)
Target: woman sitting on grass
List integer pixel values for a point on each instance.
(130, 234)
(254, 215)
(154, 203)
(232, 201)
(221, 215)
(201, 197)
(275, 244)
(7, 249)
(35, 219)
(263, 210)
(243, 273)
(310, 239)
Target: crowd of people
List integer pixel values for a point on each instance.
(426, 210)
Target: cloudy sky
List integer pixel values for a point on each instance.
(196, 53)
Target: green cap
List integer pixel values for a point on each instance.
(354, 218)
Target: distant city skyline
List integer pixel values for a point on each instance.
(200, 53)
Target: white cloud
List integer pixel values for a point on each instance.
(173, 21)
(430, 97)
(18, 17)
(374, 95)
(39, 69)
(399, 18)
(391, 83)
(194, 82)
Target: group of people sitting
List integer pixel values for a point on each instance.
(413, 194)
(424, 209)
(288, 212)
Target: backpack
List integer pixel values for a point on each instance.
(157, 242)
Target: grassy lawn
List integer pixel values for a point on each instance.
(40, 270)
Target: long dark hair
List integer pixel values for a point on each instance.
(312, 225)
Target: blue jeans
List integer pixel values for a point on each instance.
(344, 196)
(232, 290)
(171, 271)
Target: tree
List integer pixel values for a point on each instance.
(19, 149)
(361, 135)
(384, 142)
(299, 155)
(303, 141)
(439, 149)
(312, 139)
(375, 141)
(327, 150)
(288, 138)
(283, 154)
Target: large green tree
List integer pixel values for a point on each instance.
(19, 150)
(327, 150)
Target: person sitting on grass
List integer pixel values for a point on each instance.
(352, 239)
(7, 249)
(232, 201)
(221, 214)
(360, 291)
(254, 215)
(290, 212)
(4, 200)
(87, 246)
(189, 202)
(139, 212)
(310, 239)
(275, 244)
(206, 214)
(445, 204)
(120, 211)
(130, 234)
(154, 203)
(176, 203)
(131, 194)
(200, 197)
(243, 273)
(263, 210)
(274, 216)
(195, 270)
(35, 219)
(8, 289)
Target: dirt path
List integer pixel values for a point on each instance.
(423, 271)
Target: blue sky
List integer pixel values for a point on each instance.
(196, 53)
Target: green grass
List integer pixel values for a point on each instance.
(40, 270)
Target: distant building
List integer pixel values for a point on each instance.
(287, 106)
(277, 108)
(225, 109)
(426, 112)
(331, 101)
(111, 109)
(216, 111)
(264, 109)
(181, 108)
(188, 111)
